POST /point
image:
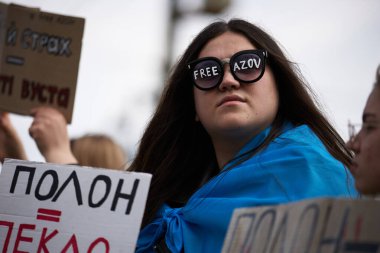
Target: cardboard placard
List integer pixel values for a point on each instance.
(65, 208)
(313, 226)
(39, 59)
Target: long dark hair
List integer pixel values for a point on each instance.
(178, 151)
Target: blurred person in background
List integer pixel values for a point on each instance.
(98, 150)
(366, 145)
(49, 130)
(236, 126)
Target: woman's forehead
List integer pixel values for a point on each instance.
(373, 103)
(226, 45)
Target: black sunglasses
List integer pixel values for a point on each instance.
(246, 66)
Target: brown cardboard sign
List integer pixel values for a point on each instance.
(313, 226)
(39, 53)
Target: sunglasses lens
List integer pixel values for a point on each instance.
(248, 67)
(207, 74)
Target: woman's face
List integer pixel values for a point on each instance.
(234, 109)
(366, 145)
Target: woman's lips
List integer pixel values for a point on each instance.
(231, 98)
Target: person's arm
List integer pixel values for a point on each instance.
(10, 142)
(49, 130)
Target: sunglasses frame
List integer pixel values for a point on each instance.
(261, 53)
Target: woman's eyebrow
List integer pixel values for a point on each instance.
(368, 116)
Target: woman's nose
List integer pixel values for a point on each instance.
(228, 82)
(354, 143)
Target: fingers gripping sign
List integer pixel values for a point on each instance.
(49, 130)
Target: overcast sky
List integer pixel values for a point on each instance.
(335, 42)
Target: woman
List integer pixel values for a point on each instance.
(235, 127)
(366, 145)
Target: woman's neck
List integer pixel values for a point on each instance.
(225, 150)
(228, 144)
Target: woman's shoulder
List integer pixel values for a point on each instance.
(299, 143)
(298, 135)
(291, 131)
(300, 150)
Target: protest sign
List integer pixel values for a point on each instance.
(39, 59)
(313, 226)
(66, 208)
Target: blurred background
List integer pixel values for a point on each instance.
(128, 47)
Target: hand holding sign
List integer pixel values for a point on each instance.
(49, 130)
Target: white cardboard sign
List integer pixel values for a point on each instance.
(312, 226)
(69, 209)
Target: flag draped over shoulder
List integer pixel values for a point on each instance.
(295, 166)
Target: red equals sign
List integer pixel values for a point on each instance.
(48, 214)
